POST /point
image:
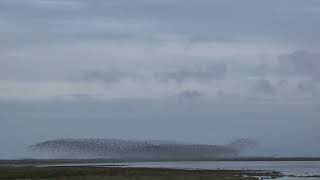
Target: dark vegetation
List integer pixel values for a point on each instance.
(95, 173)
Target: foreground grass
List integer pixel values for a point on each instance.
(113, 173)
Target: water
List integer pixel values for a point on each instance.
(303, 169)
(289, 168)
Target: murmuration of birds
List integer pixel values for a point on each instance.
(138, 150)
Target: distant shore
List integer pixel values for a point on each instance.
(75, 161)
(114, 173)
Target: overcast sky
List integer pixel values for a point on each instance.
(203, 71)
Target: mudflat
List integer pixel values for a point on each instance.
(118, 173)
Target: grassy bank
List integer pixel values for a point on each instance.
(113, 173)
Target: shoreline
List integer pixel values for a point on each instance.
(83, 161)
(89, 167)
(119, 173)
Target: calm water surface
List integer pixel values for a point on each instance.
(288, 168)
(296, 168)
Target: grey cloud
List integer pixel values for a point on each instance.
(114, 75)
(262, 70)
(190, 94)
(103, 76)
(308, 87)
(220, 93)
(316, 77)
(244, 15)
(182, 74)
(198, 38)
(80, 97)
(207, 20)
(213, 72)
(264, 87)
(282, 83)
(301, 62)
(223, 96)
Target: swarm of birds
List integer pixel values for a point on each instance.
(126, 149)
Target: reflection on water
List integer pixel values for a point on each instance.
(288, 168)
(293, 168)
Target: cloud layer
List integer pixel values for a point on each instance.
(184, 53)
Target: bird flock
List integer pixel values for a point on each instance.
(126, 149)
